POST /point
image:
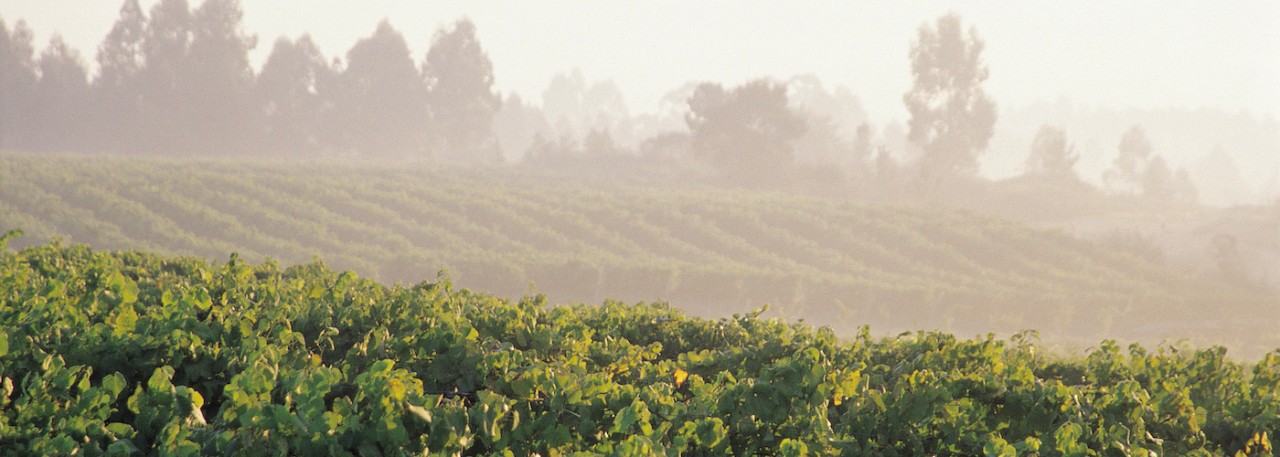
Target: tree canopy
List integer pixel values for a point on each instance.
(952, 117)
(1052, 156)
(460, 95)
(746, 132)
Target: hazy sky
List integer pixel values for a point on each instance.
(1144, 54)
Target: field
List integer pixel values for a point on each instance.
(708, 251)
(131, 353)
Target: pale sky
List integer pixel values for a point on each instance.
(1140, 54)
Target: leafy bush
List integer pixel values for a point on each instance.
(136, 354)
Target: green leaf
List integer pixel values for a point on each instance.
(199, 299)
(123, 447)
(125, 321)
(624, 420)
(793, 448)
(421, 412)
(120, 430)
(998, 447)
(128, 291)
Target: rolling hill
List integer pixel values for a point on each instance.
(710, 251)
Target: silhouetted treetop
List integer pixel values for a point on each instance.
(221, 89)
(1131, 162)
(460, 95)
(120, 54)
(59, 110)
(290, 96)
(17, 81)
(746, 132)
(379, 98)
(952, 117)
(1052, 156)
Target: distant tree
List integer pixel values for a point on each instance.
(59, 114)
(117, 106)
(17, 83)
(166, 116)
(1184, 189)
(600, 143)
(822, 142)
(562, 101)
(1131, 163)
(834, 121)
(379, 99)
(1052, 156)
(603, 106)
(544, 150)
(574, 107)
(747, 133)
(886, 167)
(1159, 182)
(290, 93)
(218, 84)
(460, 96)
(667, 147)
(952, 118)
(516, 125)
(840, 105)
(862, 143)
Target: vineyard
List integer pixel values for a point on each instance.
(708, 251)
(132, 353)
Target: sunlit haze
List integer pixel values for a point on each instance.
(921, 227)
(1141, 54)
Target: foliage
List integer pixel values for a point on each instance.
(130, 353)
(952, 117)
(460, 95)
(746, 132)
(1052, 156)
(510, 232)
(1137, 169)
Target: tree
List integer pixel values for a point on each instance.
(1131, 163)
(61, 95)
(291, 97)
(562, 101)
(1184, 190)
(460, 95)
(1052, 156)
(117, 105)
(747, 133)
(952, 118)
(219, 83)
(516, 125)
(1160, 183)
(575, 108)
(600, 143)
(17, 83)
(379, 99)
(166, 118)
(1157, 181)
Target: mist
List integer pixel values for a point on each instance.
(403, 154)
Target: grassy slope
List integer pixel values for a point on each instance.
(711, 251)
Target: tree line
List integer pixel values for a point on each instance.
(178, 81)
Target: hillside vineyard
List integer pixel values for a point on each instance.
(708, 251)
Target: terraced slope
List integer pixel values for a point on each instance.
(713, 252)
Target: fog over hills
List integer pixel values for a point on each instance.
(864, 158)
(1233, 157)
